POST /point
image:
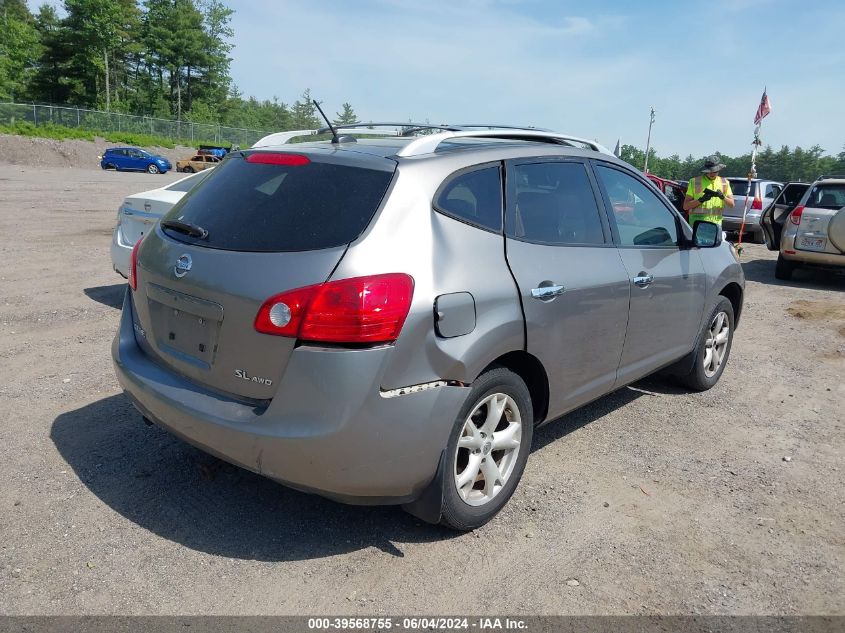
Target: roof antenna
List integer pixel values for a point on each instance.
(335, 139)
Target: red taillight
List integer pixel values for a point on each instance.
(275, 158)
(358, 310)
(795, 216)
(757, 204)
(133, 265)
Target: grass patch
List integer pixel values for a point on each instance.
(61, 133)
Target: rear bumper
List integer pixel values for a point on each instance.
(752, 223)
(120, 253)
(814, 258)
(328, 430)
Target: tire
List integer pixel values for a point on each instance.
(706, 370)
(470, 448)
(784, 268)
(109, 166)
(188, 170)
(152, 168)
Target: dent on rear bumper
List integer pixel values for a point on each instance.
(327, 430)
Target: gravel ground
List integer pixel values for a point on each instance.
(650, 500)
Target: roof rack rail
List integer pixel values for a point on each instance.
(428, 144)
(831, 177)
(404, 127)
(282, 138)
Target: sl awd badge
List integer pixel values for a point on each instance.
(183, 265)
(243, 375)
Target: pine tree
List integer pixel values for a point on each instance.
(347, 116)
(20, 48)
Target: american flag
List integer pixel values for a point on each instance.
(763, 110)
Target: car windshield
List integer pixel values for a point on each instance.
(827, 197)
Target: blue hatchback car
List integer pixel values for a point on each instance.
(134, 159)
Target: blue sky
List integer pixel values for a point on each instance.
(589, 69)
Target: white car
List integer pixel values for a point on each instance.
(139, 213)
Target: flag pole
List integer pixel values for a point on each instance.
(762, 111)
(648, 142)
(752, 173)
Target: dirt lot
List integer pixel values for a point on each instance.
(651, 500)
(45, 152)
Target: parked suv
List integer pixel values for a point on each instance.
(760, 193)
(386, 321)
(811, 232)
(134, 159)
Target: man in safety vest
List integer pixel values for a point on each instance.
(707, 195)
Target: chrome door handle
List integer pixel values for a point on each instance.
(547, 293)
(643, 280)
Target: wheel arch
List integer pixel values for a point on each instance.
(531, 370)
(733, 293)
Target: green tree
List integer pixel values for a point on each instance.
(347, 116)
(304, 114)
(20, 48)
(98, 32)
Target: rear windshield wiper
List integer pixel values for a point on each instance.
(185, 227)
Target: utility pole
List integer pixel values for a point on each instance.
(648, 142)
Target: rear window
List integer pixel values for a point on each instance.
(826, 197)
(259, 207)
(739, 187)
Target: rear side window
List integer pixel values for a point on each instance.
(260, 207)
(474, 197)
(827, 197)
(554, 205)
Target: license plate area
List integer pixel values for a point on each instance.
(184, 327)
(806, 243)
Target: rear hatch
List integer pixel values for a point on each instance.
(275, 222)
(139, 212)
(822, 224)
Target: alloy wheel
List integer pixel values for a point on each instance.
(488, 448)
(716, 344)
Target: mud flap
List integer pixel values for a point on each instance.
(429, 505)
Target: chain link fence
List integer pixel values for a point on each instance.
(186, 132)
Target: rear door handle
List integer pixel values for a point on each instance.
(643, 280)
(547, 293)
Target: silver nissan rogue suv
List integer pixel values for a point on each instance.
(386, 321)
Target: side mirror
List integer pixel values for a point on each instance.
(706, 235)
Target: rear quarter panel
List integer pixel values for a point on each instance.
(443, 255)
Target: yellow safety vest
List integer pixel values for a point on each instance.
(710, 210)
